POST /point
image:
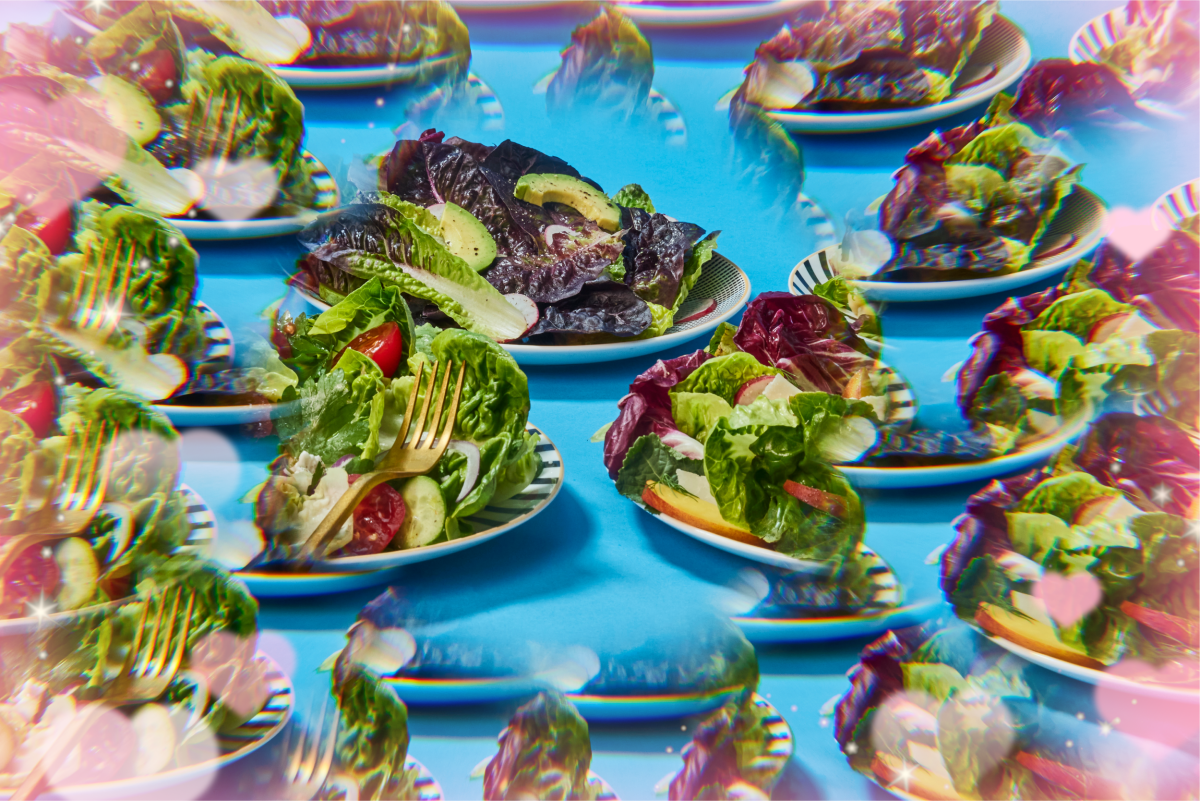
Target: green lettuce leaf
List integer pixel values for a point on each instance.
(648, 460)
(1077, 313)
(1035, 534)
(693, 265)
(632, 196)
(1062, 495)
(697, 412)
(1050, 352)
(372, 741)
(722, 343)
(724, 376)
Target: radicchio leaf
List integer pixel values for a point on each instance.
(1164, 281)
(647, 405)
(655, 254)
(608, 66)
(806, 337)
(545, 752)
(1056, 93)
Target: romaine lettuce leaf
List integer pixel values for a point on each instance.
(544, 752)
(696, 413)
(372, 741)
(1062, 495)
(1078, 312)
(724, 376)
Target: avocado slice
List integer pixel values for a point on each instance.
(129, 108)
(467, 238)
(583, 197)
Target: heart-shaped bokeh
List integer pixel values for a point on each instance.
(1068, 598)
(1133, 231)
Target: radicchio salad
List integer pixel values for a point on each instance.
(510, 243)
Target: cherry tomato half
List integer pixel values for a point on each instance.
(36, 404)
(383, 345)
(377, 518)
(32, 576)
(155, 72)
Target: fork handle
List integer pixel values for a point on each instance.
(36, 782)
(345, 506)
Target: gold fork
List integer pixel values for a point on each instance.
(406, 458)
(309, 762)
(99, 303)
(149, 668)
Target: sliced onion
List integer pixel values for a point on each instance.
(471, 451)
(342, 461)
(683, 444)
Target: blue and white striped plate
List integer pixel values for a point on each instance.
(354, 572)
(1178, 205)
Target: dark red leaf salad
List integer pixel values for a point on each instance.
(938, 712)
(510, 243)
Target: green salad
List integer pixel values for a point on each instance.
(345, 377)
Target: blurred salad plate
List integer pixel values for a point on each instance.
(1179, 208)
(235, 221)
(799, 608)
(1151, 47)
(818, 74)
(698, 12)
(1073, 233)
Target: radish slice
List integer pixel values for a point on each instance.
(437, 210)
(705, 308)
(526, 307)
(682, 443)
(471, 451)
(752, 389)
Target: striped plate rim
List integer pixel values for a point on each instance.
(1176, 205)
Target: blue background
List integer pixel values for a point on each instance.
(592, 562)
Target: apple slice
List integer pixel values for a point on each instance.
(749, 391)
(858, 385)
(528, 309)
(1123, 324)
(818, 499)
(1078, 782)
(1186, 631)
(1030, 634)
(916, 780)
(697, 485)
(695, 512)
(156, 739)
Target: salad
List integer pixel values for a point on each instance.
(170, 116)
(863, 55)
(119, 305)
(940, 713)
(372, 745)
(730, 755)
(346, 376)
(972, 202)
(50, 431)
(701, 654)
(1116, 329)
(738, 439)
(1115, 517)
(545, 753)
(1156, 49)
(510, 243)
(346, 33)
(608, 66)
(221, 686)
(1056, 93)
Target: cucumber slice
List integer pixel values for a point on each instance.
(424, 512)
(80, 572)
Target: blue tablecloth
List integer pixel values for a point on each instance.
(592, 554)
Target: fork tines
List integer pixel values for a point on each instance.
(162, 653)
(309, 761)
(439, 408)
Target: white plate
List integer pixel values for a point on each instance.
(1102, 32)
(241, 742)
(1003, 54)
(1081, 218)
(352, 77)
(780, 745)
(1095, 677)
(1174, 207)
(720, 280)
(660, 12)
(201, 524)
(353, 572)
(939, 475)
(327, 198)
(836, 627)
